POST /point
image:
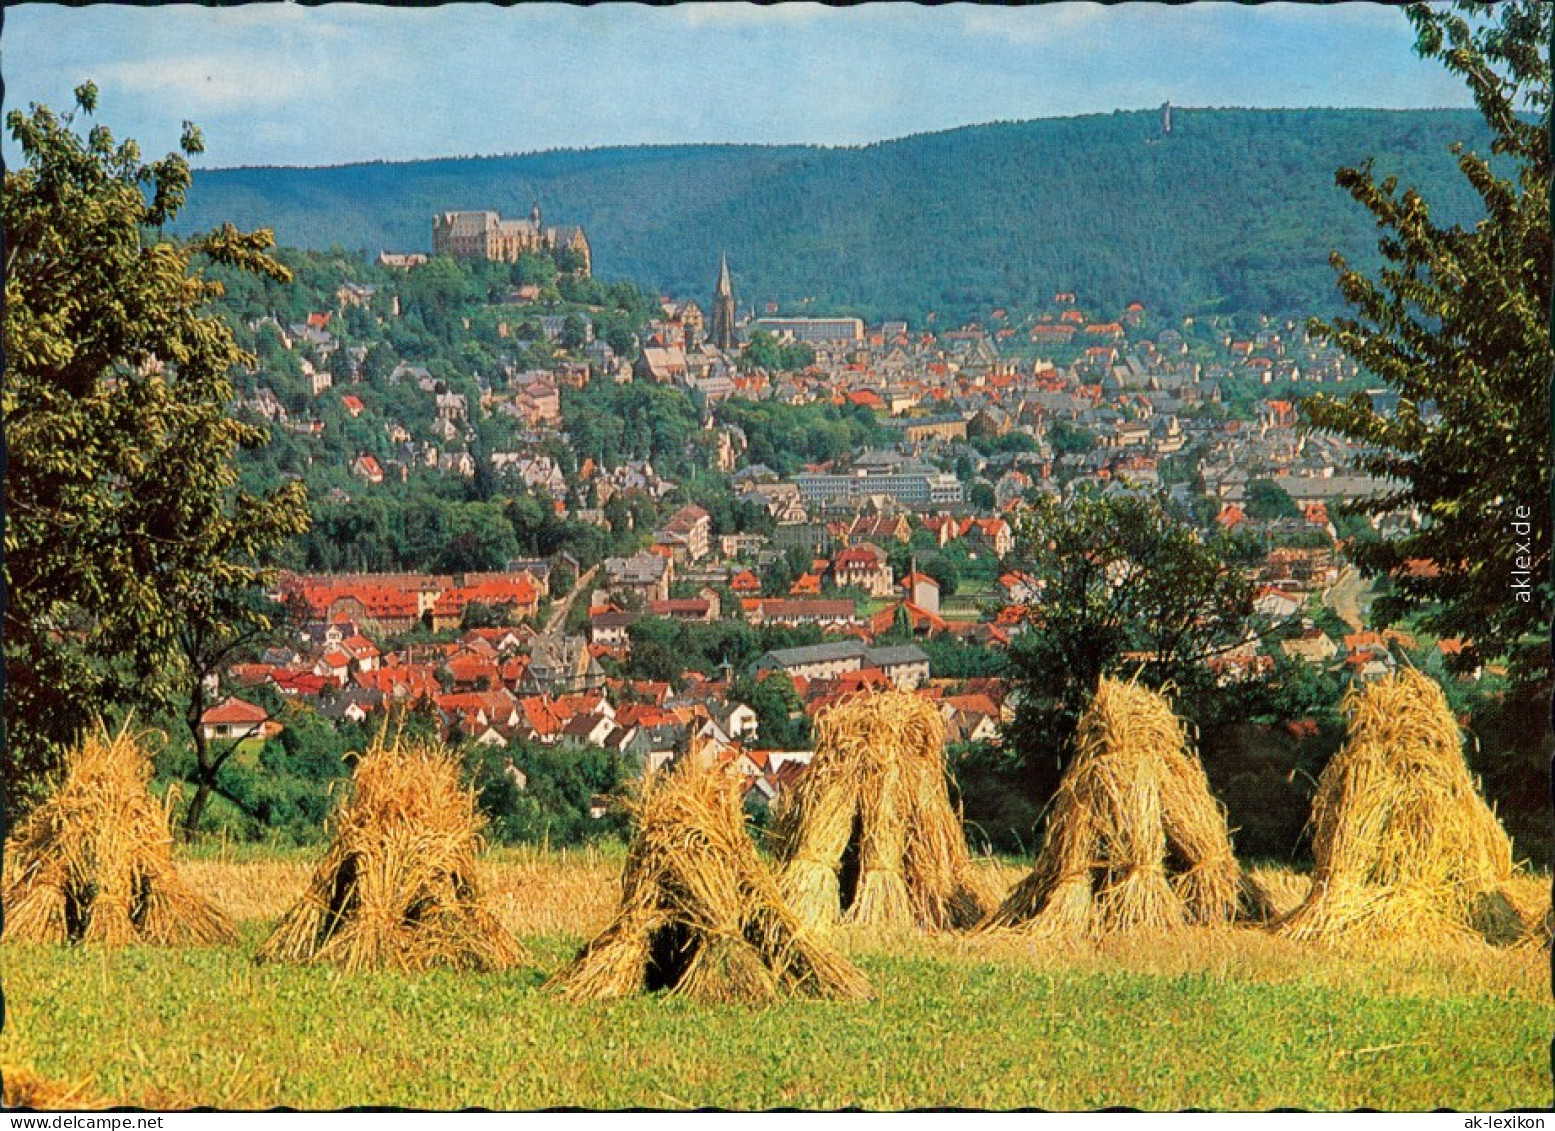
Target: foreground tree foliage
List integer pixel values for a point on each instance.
(1128, 589)
(126, 536)
(1459, 318)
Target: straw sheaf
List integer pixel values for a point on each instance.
(1134, 838)
(398, 885)
(1402, 841)
(873, 809)
(700, 914)
(94, 863)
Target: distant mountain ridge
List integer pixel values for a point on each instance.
(1235, 210)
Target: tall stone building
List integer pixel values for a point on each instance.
(486, 235)
(723, 309)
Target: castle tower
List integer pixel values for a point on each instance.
(1166, 118)
(722, 334)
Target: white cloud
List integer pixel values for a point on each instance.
(1037, 24)
(216, 81)
(731, 15)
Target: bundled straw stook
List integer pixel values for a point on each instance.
(869, 836)
(700, 914)
(398, 887)
(1403, 844)
(1134, 838)
(94, 863)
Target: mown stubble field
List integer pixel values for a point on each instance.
(1215, 1018)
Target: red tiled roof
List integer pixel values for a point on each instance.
(918, 618)
(541, 715)
(982, 704)
(517, 592)
(359, 646)
(234, 710)
(858, 557)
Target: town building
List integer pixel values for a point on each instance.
(864, 566)
(814, 331)
(644, 574)
(905, 665)
(234, 719)
(910, 486)
(687, 535)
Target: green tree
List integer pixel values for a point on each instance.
(341, 368)
(944, 570)
(1128, 588)
(574, 332)
(218, 623)
(1458, 319)
(124, 518)
(657, 652)
(1267, 500)
(378, 363)
(763, 351)
(1070, 439)
(570, 260)
(781, 723)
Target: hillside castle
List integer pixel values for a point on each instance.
(486, 235)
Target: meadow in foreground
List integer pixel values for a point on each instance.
(1215, 1018)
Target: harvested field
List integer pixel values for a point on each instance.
(1219, 1017)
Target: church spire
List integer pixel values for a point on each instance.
(723, 307)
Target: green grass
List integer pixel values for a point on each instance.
(209, 1026)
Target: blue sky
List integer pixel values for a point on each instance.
(282, 84)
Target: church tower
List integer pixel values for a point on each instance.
(722, 334)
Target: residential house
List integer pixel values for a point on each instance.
(608, 627)
(368, 468)
(517, 595)
(905, 666)
(1276, 603)
(1313, 646)
(922, 590)
(703, 607)
(560, 664)
(827, 614)
(864, 566)
(234, 719)
(686, 535)
(645, 575)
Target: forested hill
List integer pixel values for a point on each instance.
(1236, 210)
